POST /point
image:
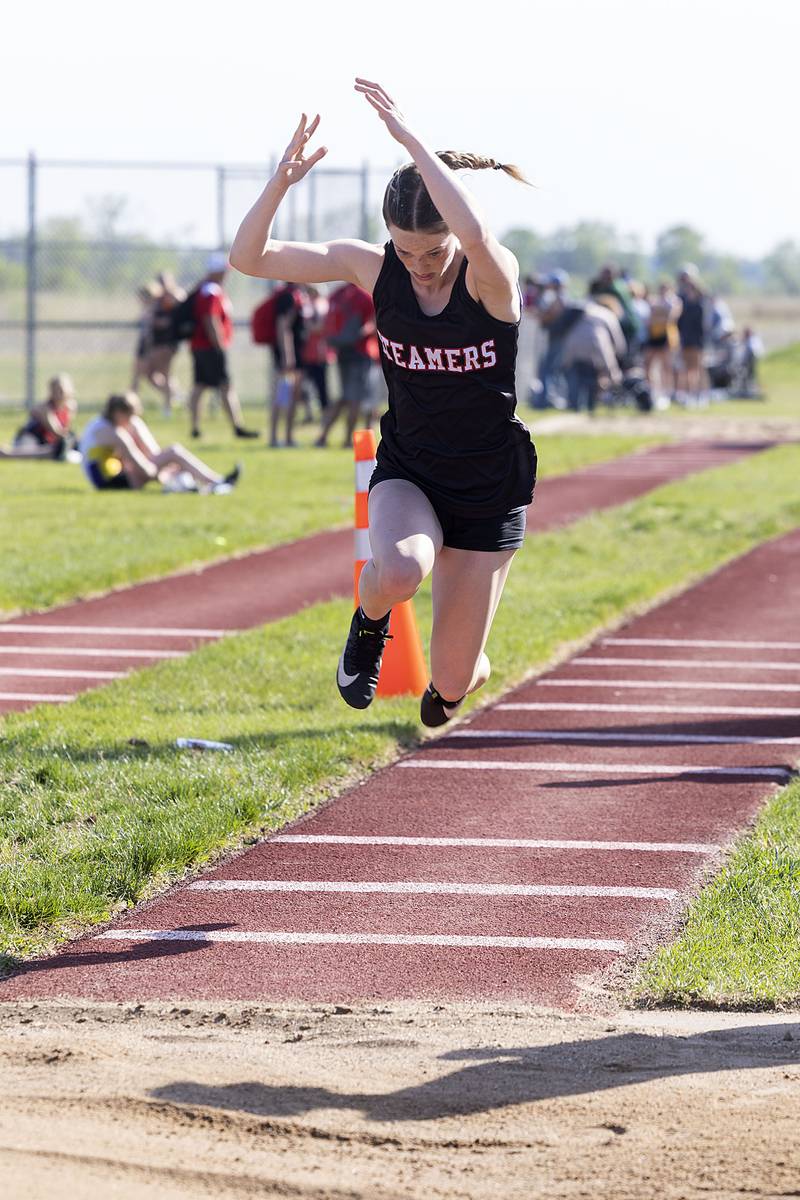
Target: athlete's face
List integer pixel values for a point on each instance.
(426, 256)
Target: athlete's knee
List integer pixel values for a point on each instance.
(400, 575)
(453, 682)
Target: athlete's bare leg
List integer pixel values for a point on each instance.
(405, 537)
(467, 586)
(195, 397)
(230, 402)
(178, 456)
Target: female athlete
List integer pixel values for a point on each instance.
(455, 468)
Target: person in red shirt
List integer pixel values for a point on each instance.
(351, 332)
(211, 339)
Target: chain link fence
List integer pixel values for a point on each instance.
(79, 238)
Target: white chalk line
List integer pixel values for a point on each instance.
(90, 652)
(667, 684)
(408, 888)
(596, 768)
(697, 664)
(39, 697)
(596, 735)
(112, 630)
(727, 710)
(281, 938)
(706, 643)
(354, 839)
(45, 673)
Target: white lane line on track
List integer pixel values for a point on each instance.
(665, 684)
(697, 664)
(112, 630)
(43, 697)
(355, 839)
(706, 643)
(727, 710)
(86, 652)
(430, 889)
(281, 938)
(667, 739)
(44, 673)
(596, 768)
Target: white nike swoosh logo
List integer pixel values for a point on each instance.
(342, 677)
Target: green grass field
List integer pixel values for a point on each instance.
(740, 942)
(60, 540)
(100, 810)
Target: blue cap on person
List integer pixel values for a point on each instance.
(217, 261)
(558, 278)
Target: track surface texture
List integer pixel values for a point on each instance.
(52, 657)
(521, 856)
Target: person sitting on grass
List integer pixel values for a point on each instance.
(120, 452)
(46, 433)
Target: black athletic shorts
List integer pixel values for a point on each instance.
(210, 367)
(506, 532)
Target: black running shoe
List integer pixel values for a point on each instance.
(433, 710)
(360, 664)
(241, 432)
(232, 477)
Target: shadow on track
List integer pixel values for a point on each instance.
(15, 968)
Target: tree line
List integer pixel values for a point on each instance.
(583, 248)
(96, 251)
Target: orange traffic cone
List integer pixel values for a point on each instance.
(403, 671)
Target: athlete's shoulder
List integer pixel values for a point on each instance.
(364, 260)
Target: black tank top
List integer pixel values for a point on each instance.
(450, 427)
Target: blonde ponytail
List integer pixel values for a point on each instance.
(457, 161)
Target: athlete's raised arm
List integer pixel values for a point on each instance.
(493, 268)
(256, 252)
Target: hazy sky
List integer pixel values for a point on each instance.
(640, 113)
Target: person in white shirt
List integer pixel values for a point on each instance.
(119, 452)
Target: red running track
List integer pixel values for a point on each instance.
(53, 656)
(516, 857)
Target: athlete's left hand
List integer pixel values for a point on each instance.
(386, 109)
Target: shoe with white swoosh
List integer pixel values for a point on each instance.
(360, 664)
(433, 710)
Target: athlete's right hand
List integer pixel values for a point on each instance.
(294, 164)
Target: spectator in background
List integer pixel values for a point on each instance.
(661, 340)
(590, 356)
(751, 349)
(211, 339)
(692, 334)
(47, 433)
(163, 343)
(290, 337)
(317, 354)
(609, 282)
(120, 453)
(556, 314)
(352, 334)
(148, 295)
